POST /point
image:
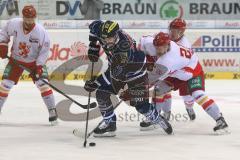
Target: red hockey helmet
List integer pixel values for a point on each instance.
(29, 11)
(178, 23)
(161, 39)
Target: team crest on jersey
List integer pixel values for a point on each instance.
(24, 49)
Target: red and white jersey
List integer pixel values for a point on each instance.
(146, 45)
(184, 42)
(27, 48)
(181, 62)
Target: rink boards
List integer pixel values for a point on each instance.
(218, 51)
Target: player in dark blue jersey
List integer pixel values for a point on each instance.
(127, 66)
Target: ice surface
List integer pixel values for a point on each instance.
(25, 133)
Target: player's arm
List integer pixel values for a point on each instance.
(93, 53)
(94, 47)
(43, 54)
(5, 34)
(149, 56)
(159, 72)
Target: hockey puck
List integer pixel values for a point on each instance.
(92, 144)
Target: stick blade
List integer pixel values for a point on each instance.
(91, 105)
(85, 144)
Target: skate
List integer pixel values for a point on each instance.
(106, 129)
(158, 120)
(191, 113)
(147, 125)
(53, 116)
(221, 126)
(165, 125)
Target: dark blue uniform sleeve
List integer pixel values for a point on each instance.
(95, 27)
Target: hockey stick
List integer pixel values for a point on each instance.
(92, 105)
(87, 117)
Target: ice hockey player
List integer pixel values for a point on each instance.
(30, 48)
(176, 31)
(163, 102)
(185, 72)
(126, 67)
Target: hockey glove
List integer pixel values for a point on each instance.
(93, 52)
(39, 71)
(150, 62)
(150, 66)
(3, 50)
(90, 86)
(125, 96)
(36, 72)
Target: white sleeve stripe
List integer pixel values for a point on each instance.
(97, 83)
(105, 78)
(137, 76)
(4, 44)
(93, 35)
(145, 59)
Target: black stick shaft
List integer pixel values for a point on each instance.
(87, 117)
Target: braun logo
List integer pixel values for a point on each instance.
(214, 8)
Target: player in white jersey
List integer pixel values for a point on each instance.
(163, 102)
(176, 31)
(30, 49)
(184, 72)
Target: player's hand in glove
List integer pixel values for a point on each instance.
(3, 50)
(150, 66)
(93, 52)
(39, 71)
(125, 96)
(90, 86)
(150, 63)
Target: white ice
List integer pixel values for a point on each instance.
(25, 133)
